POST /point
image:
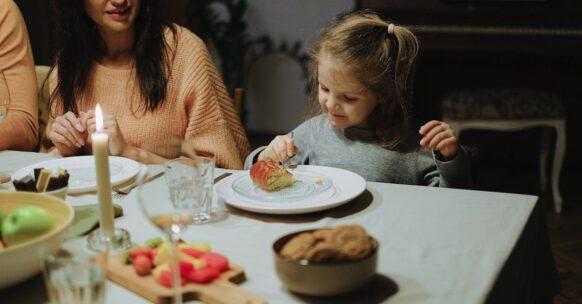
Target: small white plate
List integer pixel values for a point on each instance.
(345, 186)
(307, 184)
(82, 171)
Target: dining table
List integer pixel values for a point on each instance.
(436, 245)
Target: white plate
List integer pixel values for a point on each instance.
(346, 186)
(307, 184)
(82, 171)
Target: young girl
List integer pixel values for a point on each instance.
(361, 66)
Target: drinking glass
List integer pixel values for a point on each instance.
(181, 202)
(74, 277)
(190, 182)
(207, 163)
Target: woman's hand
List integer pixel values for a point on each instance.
(68, 133)
(117, 144)
(279, 150)
(439, 136)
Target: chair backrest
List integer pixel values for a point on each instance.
(474, 164)
(237, 100)
(42, 73)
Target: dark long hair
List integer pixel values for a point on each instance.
(79, 45)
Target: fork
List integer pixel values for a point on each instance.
(288, 165)
(123, 191)
(4, 177)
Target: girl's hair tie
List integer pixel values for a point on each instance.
(390, 29)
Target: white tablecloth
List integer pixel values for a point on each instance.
(436, 245)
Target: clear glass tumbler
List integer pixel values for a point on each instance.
(75, 277)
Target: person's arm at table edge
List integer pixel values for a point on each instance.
(19, 130)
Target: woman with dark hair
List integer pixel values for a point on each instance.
(155, 81)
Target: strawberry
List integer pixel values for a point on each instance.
(143, 265)
(216, 260)
(204, 275)
(140, 251)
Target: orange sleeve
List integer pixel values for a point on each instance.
(19, 130)
(213, 125)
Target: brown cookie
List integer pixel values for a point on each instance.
(352, 241)
(296, 247)
(324, 234)
(323, 252)
(344, 243)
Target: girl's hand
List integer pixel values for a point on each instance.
(68, 133)
(117, 144)
(279, 150)
(439, 136)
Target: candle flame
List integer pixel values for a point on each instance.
(99, 118)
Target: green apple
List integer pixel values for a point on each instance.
(25, 223)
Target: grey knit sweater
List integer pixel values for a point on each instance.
(321, 144)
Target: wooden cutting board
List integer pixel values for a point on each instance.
(223, 290)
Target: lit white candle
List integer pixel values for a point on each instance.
(101, 152)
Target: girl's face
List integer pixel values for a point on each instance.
(344, 100)
(112, 15)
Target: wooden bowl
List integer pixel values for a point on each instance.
(323, 279)
(22, 261)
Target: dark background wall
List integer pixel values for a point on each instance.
(515, 57)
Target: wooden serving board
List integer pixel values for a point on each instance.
(223, 290)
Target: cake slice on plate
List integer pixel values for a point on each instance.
(271, 176)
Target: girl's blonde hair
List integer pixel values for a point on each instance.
(381, 56)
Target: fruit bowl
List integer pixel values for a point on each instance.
(21, 261)
(323, 279)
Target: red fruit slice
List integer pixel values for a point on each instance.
(216, 260)
(193, 252)
(142, 265)
(165, 279)
(204, 275)
(153, 253)
(185, 269)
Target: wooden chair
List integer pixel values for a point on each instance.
(237, 101)
(42, 73)
(510, 109)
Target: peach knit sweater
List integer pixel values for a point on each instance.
(197, 107)
(19, 130)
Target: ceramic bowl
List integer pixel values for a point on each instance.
(22, 261)
(323, 279)
(60, 193)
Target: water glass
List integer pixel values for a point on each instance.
(190, 185)
(75, 277)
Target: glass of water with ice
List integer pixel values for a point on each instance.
(190, 184)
